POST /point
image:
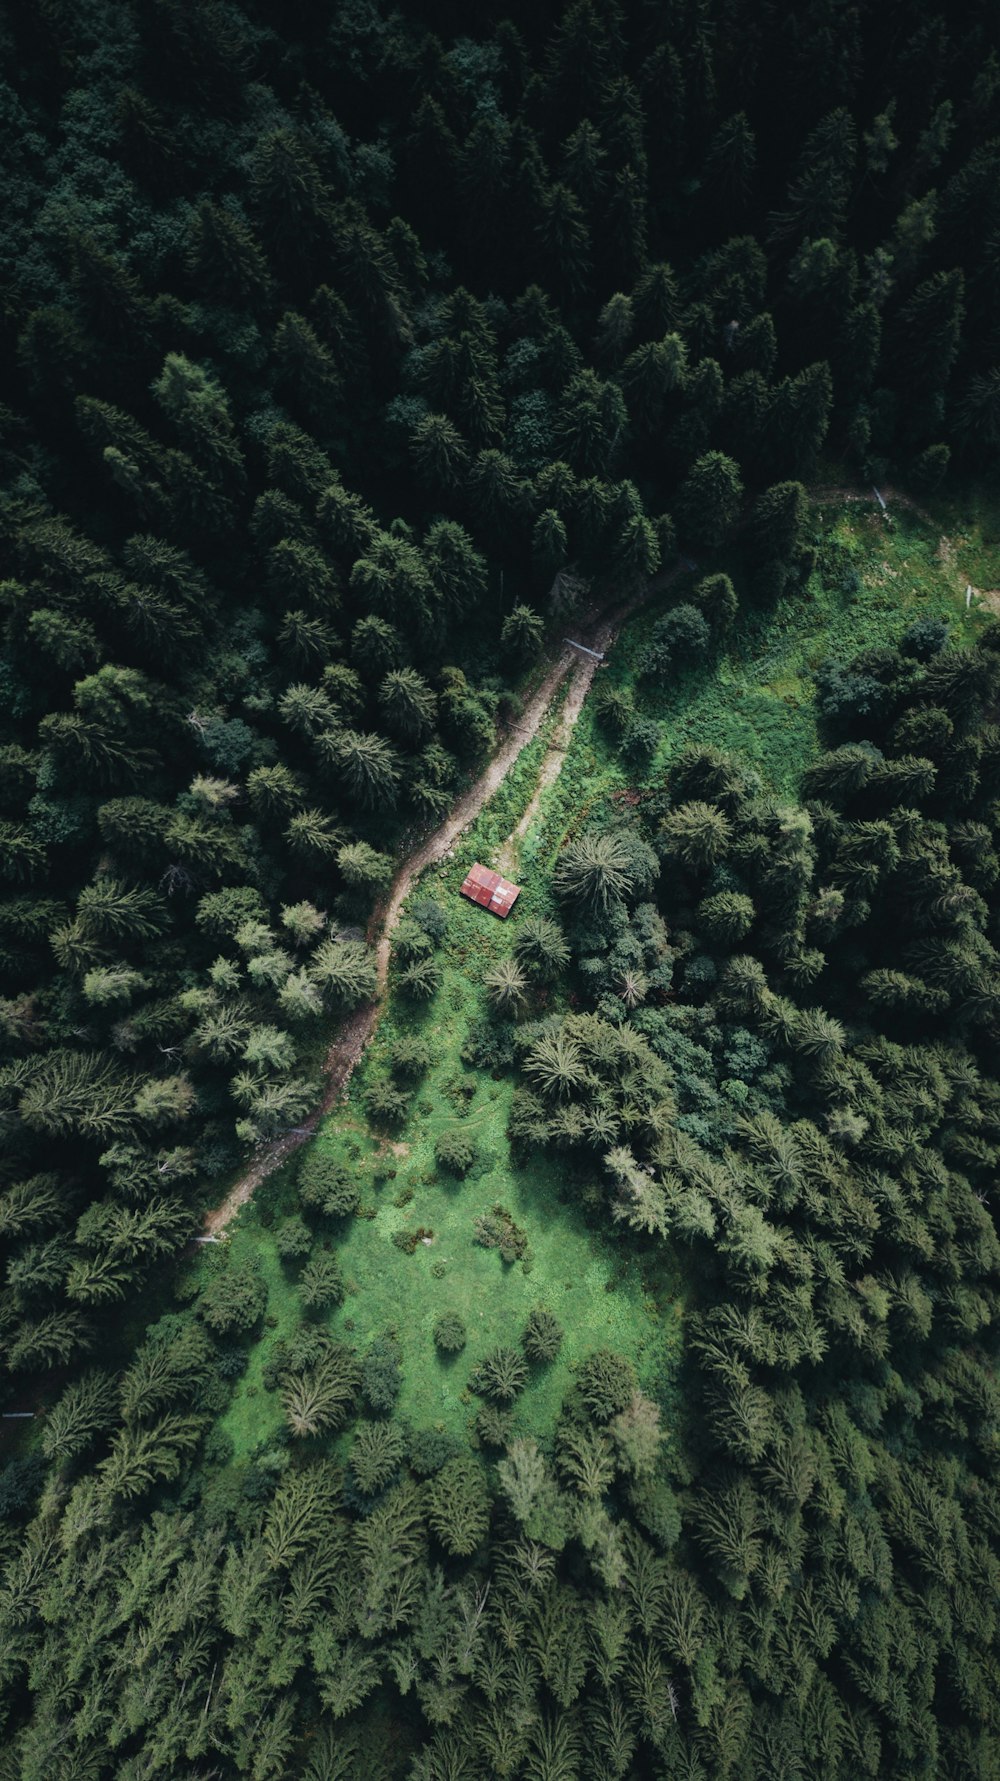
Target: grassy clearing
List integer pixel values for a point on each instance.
(871, 580)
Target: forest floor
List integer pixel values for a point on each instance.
(872, 579)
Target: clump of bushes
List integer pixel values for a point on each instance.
(407, 1240)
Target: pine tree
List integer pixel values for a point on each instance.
(408, 704)
(595, 873)
(506, 986)
(367, 765)
(307, 372)
(708, 500)
(522, 633)
(224, 257)
(440, 454)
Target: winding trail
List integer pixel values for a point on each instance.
(597, 633)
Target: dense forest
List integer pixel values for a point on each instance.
(349, 351)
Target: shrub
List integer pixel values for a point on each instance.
(497, 1230)
(640, 742)
(450, 1334)
(429, 915)
(430, 1449)
(456, 1152)
(925, 638)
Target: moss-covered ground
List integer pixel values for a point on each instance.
(871, 579)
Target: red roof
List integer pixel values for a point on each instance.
(491, 891)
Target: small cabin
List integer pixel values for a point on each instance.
(490, 891)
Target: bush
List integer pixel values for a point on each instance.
(498, 1230)
(456, 1152)
(640, 742)
(847, 700)
(326, 1183)
(450, 1334)
(925, 638)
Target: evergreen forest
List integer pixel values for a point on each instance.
(435, 1348)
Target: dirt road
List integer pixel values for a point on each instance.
(596, 633)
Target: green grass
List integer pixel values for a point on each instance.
(755, 698)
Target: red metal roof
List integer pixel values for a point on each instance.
(491, 891)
